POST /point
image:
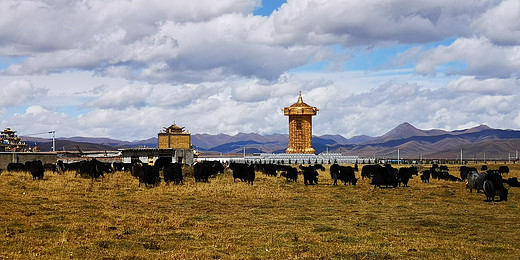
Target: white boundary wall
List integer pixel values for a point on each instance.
(322, 158)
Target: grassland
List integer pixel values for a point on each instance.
(64, 217)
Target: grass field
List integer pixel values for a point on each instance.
(63, 217)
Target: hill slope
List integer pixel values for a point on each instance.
(412, 142)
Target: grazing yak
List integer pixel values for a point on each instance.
(404, 175)
(425, 176)
(383, 176)
(16, 167)
(512, 182)
(475, 181)
(147, 174)
(368, 171)
(172, 172)
(346, 174)
(243, 171)
(205, 169)
(120, 166)
(464, 170)
(35, 168)
(92, 169)
(290, 173)
(493, 186)
(492, 189)
(310, 173)
(503, 169)
(267, 169)
(50, 167)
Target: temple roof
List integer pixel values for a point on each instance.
(8, 130)
(175, 126)
(300, 108)
(174, 129)
(300, 102)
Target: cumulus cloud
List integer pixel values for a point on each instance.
(156, 42)
(251, 91)
(175, 41)
(454, 107)
(130, 68)
(36, 119)
(82, 20)
(479, 55)
(167, 96)
(372, 22)
(129, 96)
(501, 24)
(19, 92)
(488, 86)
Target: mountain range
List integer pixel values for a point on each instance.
(477, 142)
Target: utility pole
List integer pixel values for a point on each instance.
(461, 156)
(398, 157)
(53, 132)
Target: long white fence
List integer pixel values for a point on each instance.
(322, 158)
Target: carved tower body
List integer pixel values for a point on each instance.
(300, 126)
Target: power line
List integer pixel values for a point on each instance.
(53, 132)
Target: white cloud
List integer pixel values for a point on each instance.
(32, 26)
(183, 95)
(140, 111)
(125, 69)
(501, 24)
(487, 86)
(214, 40)
(252, 91)
(19, 92)
(377, 111)
(38, 119)
(129, 96)
(372, 22)
(481, 57)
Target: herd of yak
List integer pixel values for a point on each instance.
(489, 181)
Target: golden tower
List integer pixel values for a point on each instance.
(300, 126)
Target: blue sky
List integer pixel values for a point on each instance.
(267, 7)
(128, 69)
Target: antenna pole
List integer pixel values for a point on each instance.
(398, 158)
(53, 132)
(461, 157)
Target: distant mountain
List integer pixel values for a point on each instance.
(66, 145)
(437, 146)
(208, 142)
(406, 130)
(359, 139)
(402, 131)
(336, 138)
(107, 142)
(412, 142)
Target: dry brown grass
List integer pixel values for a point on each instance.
(67, 217)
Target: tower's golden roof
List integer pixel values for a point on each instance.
(300, 108)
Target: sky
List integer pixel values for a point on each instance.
(126, 69)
